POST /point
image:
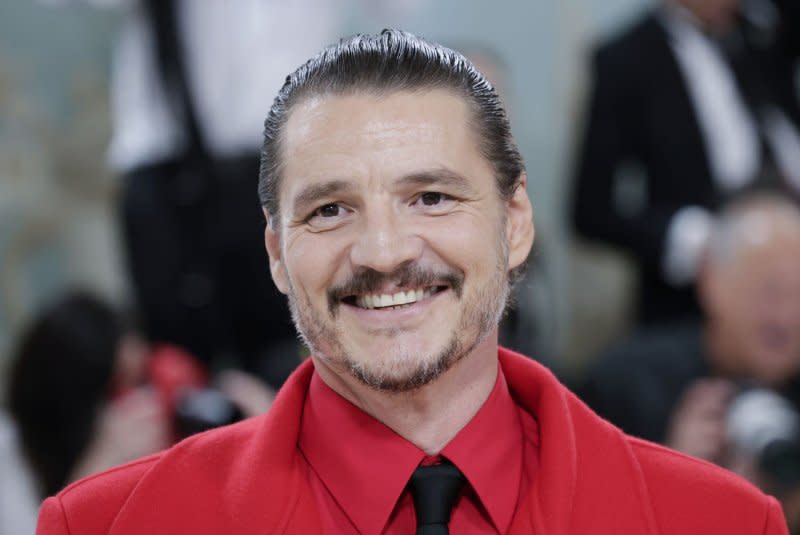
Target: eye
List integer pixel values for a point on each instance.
(432, 198)
(434, 202)
(327, 215)
(329, 210)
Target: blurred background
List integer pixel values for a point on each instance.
(655, 133)
(58, 192)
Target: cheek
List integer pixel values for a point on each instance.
(469, 241)
(312, 261)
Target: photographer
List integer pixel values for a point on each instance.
(86, 394)
(63, 374)
(763, 442)
(675, 384)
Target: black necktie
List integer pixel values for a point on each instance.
(435, 489)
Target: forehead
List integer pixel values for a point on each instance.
(757, 262)
(378, 137)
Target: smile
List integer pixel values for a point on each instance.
(396, 300)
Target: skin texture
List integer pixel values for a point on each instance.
(126, 429)
(388, 192)
(698, 426)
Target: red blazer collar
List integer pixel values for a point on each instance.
(247, 479)
(588, 479)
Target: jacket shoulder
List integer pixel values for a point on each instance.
(92, 503)
(693, 496)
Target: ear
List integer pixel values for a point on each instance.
(519, 224)
(272, 239)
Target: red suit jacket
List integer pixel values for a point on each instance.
(246, 479)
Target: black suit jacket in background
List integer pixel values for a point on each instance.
(638, 384)
(640, 112)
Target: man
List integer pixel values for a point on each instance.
(676, 384)
(666, 383)
(684, 114)
(397, 219)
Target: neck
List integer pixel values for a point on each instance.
(430, 416)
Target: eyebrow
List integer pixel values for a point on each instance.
(312, 193)
(434, 177)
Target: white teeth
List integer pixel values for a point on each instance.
(393, 300)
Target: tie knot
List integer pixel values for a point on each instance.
(435, 490)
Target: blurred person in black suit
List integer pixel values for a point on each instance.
(690, 105)
(188, 102)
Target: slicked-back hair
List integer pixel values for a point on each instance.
(385, 63)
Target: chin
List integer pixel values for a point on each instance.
(403, 370)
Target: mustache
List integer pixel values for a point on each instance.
(367, 280)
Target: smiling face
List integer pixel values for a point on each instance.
(393, 242)
(752, 297)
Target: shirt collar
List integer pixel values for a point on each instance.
(366, 465)
(488, 451)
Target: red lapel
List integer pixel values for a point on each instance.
(589, 480)
(249, 480)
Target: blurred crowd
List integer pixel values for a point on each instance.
(690, 162)
(686, 160)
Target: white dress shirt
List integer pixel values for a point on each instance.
(730, 132)
(238, 53)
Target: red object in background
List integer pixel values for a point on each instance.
(172, 371)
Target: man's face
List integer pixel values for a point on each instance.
(393, 243)
(755, 300)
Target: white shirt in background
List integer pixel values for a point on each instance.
(238, 53)
(730, 133)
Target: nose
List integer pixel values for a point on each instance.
(385, 241)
